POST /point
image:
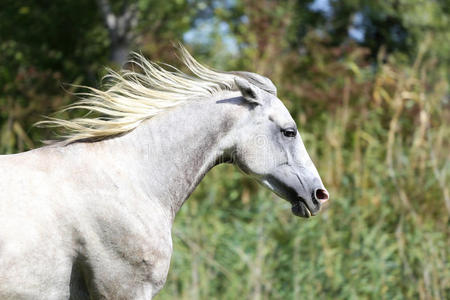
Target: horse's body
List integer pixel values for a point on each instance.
(93, 219)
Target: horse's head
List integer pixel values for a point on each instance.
(270, 149)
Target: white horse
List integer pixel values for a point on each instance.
(90, 216)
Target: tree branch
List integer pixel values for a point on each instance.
(108, 16)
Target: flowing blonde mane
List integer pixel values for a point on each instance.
(131, 97)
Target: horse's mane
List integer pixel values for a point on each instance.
(132, 97)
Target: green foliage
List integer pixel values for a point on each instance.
(372, 113)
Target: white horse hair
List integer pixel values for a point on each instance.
(90, 216)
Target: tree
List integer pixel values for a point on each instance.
(44, 45)
(120, 29)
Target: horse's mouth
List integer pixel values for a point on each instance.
(301, 209)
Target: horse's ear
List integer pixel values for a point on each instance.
(248, 90)
(260, 81)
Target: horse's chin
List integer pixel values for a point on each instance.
(300, 209)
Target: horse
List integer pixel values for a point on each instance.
(89, 216)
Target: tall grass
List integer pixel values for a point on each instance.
(384, 156)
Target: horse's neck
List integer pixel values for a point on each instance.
(176, 149)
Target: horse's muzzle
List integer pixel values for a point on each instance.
(306, 209)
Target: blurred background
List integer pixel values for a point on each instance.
(368, 85)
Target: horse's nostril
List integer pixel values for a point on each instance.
(321, 195)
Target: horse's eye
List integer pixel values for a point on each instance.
(289, 132)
